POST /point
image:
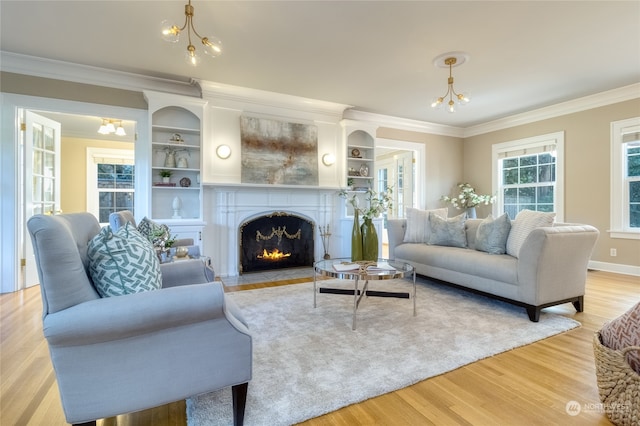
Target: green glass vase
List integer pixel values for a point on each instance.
(356, 238)
(369, 241)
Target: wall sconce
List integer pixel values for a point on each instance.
(223, 151)
(328, 159)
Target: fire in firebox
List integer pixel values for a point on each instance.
(274, 254)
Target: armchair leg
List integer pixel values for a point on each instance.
(239, 393)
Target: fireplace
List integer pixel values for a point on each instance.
(276, 240)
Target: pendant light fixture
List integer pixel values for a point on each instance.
(450, 60)
(108, 126)
(212, 46)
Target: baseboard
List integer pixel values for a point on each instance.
(615, 267)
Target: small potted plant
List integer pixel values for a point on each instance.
(166, 175)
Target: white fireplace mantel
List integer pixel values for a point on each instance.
(228, 206)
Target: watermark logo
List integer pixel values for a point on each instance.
(573, 408)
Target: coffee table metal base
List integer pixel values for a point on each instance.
(325, 268)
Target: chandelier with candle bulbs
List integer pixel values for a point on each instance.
(450, 60)
(212, 46)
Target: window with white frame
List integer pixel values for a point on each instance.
(110, 182)
(625, 179)
(527, 174)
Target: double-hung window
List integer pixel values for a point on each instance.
(528, 175)
(110, 182)
(625, 179)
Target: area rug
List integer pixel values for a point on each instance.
(308, 362)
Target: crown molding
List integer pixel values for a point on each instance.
(233, 96)
(226, 95)
(403, 123)
(609, 97)
(67, 71)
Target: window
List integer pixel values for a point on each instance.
(115, 189)
(527, 175)
(625, 179)
(110, 181)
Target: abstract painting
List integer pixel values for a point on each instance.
(278, 153)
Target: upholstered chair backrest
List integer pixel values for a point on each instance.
(60, 246)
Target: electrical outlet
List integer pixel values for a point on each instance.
(613, 252)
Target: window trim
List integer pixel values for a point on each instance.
(92, 173)
(618, 213)
(557, 139)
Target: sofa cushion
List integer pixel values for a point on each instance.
(459, 260)
(623, 332)
(525, 222)
(418, 229)
(123, 262)
(492, 234)
(447, 232)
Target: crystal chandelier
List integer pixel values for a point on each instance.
(171, 33)
(450, 60)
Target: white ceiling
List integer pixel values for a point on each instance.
(374, 55)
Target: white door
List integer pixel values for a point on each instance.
(41, 180)
(397, 172)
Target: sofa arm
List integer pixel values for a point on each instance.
(553, 261)
(185, 272)
(395, 232)
(122, 317)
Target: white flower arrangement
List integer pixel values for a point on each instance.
(468, 198)
(378, 202)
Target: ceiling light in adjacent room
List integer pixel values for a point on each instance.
(108, 126)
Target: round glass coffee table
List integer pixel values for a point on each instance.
(345, 269)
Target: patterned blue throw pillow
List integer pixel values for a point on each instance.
(123, 262)
(492, 234)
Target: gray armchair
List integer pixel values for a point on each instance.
(122, 354)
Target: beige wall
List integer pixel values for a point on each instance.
(587, 169)
(73, 162)
(59, 89)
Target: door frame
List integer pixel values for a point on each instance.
(10, 157)
(420, 151)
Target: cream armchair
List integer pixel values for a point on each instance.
(127, 353)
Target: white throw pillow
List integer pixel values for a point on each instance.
(418, 230)
(525, 222)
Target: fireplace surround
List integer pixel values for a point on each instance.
(228, 206)
(276, 240)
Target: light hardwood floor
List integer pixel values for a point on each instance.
(529, 385)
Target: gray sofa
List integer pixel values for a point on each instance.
(550, 269)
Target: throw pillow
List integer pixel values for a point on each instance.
(492, 234)
(153, 231)
(623, 332)
(418, 224)
(525, 222)
(123, 262)
(447, 232)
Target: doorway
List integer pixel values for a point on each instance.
(400, 164)
(12, 225)
(54, 171)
